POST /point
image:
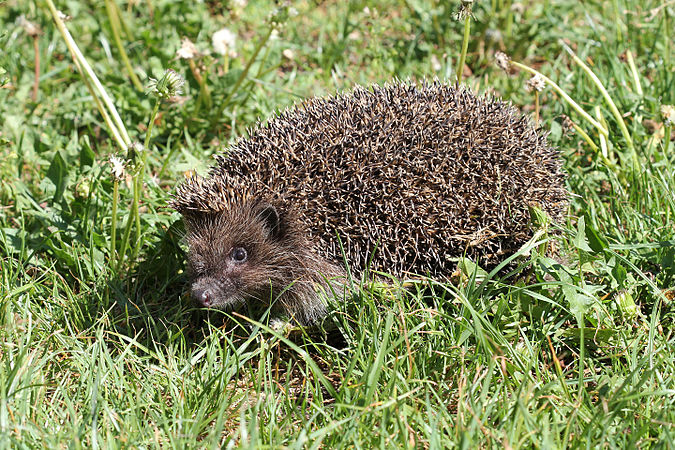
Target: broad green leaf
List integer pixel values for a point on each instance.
(87, 155)
(58, 174)
(595, 241)
(579, 240)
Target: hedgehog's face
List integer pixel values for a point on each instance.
(235, 256)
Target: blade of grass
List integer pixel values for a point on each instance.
(565, 96)
(88, 72)
(612, 106)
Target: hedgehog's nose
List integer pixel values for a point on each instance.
(203, 296)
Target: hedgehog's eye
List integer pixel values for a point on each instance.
(239, 254)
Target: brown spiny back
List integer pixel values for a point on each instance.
(423, 173)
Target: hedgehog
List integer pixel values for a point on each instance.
(401, 179)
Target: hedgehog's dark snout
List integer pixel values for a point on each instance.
(202, 295)
(219, 293)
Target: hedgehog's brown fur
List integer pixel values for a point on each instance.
(408, 177)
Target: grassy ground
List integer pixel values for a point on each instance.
(103, 349)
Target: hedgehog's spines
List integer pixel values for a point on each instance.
(429, 171)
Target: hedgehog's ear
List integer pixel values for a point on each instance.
(270, 217)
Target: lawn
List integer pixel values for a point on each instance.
(101, 345)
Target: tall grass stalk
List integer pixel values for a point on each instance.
(668, 116)
(127, 230)
(580, 131)
(636, 81)
(114, 20)
(634, 73)
(668, 131)
(604, 146)
(612, 106)
(36, 80)
(140, 176)
(667, 34)
(114, 131)
(116, 125)
(113, 221)
(602, 130)
(508, 28)
(617, 21)
(466, 12)
(582, 356)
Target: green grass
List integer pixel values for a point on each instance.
(576, 352)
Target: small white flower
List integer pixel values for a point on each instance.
(241, 4)
(493, 35)
(31, 28)
(288, 54)
(435, 64)
(224, 42)
(187, 50)
(116, 167)
(502, 60)
(536, 83)
(517, 8)
(136, 147)
(292, 12)
(668, 114)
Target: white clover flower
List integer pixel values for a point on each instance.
(187, 50)
(668, 114)
(536, 83)
(224, 42)
(116, 167)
